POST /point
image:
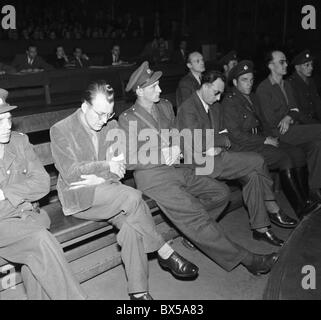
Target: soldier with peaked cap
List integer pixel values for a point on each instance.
(282, 115)
(23, 236)
(192, 202)
(201, 112)
(228, 62)
(243, 122)
(89, 188)
(304, 88)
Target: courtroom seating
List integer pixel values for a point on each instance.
(90, 247)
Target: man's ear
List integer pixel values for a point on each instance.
(189, 66)
(225, 67)
(139, 92)
(297, 68)
(235, 82)
(84, 106)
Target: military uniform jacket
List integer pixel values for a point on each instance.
(141, 131)
(23, 179)
(307, 98)
(186, 87)
(273, 104)
(75, 155)
(242, 121)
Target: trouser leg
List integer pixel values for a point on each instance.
(43, 256)
(308, 137)
(137, 234)
(251, 170)
(188, 214)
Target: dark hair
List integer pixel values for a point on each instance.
(211, 76)
(269, 56)
(31, 45)
(98, 87)
(75, 48)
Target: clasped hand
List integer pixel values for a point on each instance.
(284, 124)
(171, 155)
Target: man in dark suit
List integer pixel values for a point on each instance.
(282, 117)
(113, 58)
(89, 188)
(192, 202)
(243, 122)
(304, 88)
(201, 112)
(80, 59)
(192, 81)
(30, 61)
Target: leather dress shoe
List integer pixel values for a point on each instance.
(146, 296)
(282, 220)
(187, 244)
(261, 264)
(268, 237)
(179, 266)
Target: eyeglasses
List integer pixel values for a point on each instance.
(283, 62)
(217, 93)
(102, 116)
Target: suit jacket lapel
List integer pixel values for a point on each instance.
(82, 137)
(201, 111)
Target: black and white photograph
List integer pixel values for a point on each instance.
(165, 150)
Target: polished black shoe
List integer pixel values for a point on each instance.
(268, 237)
(146, 296)
(282, 220)
(187, 244)
(261, 264)
(179, 266)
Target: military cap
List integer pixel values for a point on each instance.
(142, 77)
(243, 67)
(4, 106)
(302, 57)
(232, 55)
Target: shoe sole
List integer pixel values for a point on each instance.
(180, 276)
(284, 226)
(273, 244)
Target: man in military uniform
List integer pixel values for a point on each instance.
(201, 112)
(89, 188)
(241, 119)
(228, 62)
(23, 236)
(304, 88)
(192, 81)
(282, 117)
(184, 197)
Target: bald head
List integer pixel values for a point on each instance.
(195, 62)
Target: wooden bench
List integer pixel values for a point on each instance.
(90, 246)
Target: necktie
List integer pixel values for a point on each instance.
(79, 60)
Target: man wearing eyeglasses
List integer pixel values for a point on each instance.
(202, 111)
(89, 188)
(282, 116)
(304, 88)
